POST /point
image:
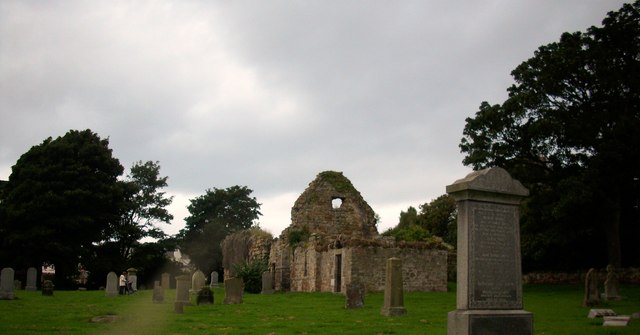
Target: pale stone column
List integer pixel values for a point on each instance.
(489, 290)
(393, 291)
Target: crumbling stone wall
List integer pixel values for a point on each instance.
(244, 246)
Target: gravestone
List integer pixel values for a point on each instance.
(166, 281)
(233, 290)
(205, 296)
(489, 278)
(182, 290)
(612, 284)
(47, 288)
(17, 285)
(198, 280)
(132, 277)
(214, 279)
(355, 295)
(112, 285)
(616, 321)
(267, 283)
(591, 289)
(598, 313)
(393, 291)
(158, 293)
(6, 284)
(32, 277)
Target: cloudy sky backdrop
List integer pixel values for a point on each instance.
(267, 94)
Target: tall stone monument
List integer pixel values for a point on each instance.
(489, 290)
(182, 290)
(166, 281)
(393, 290)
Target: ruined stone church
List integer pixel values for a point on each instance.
(333, 241)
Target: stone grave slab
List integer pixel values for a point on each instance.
(32, 278)
(112, 285)
(267, 283)
(6, 284)
(233, 291)
(616, 321)
(598, 313)
(393, 290)
(355, 295)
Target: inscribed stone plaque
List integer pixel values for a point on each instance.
(503, 325)
(494, 254)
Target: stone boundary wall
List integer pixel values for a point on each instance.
(422, 269)
(627, 276)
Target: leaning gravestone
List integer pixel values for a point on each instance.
(489, 281)
(32, 277)
(198, 281)
(214, 279)
(355, 295)
(166, 281)
(233, 290)
(611, 284)
(591, 289)
(6, 284)
(112, 285)
(182, 290)
(158, 293)
(393, 291)
(267, 283)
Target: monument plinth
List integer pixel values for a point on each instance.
(489, 290)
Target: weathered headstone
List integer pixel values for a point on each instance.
(17, 285)
(182, 290)
(233, 290)
(616, 321)
(612, 284)
(32, 278)
(205, 296)
(166, 281)
(112, 285)
(6, 284)
(158, 293)
(393, 290)
(47, 288)
(198, 280)
(489, 279)
(599, 313)
(267, 283)
(214, 279)
(355, 295)
(132, 277)
(591, 288)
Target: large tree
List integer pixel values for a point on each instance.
(213, 216)
(62, 197)
(569, 131)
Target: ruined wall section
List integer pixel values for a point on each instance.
(314, 211)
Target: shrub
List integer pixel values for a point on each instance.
(251, 274)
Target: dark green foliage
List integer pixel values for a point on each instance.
(251, 274)
(569, 132)
(338, 181)
(213, 216)
(297, 236)
(412, 233)
(436, 218)
(61, 198)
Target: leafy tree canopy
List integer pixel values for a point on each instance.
(61, 197)
(569, 131)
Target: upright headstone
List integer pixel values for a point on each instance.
(6, 284)
(166, 281)
(32, 278)
(267, 283)
(198, 281)
(591, 289)
(112, 285)
(158, 293)
(233, 290)
(205, 296)
(17, 285)
(182, 290)
(47, 288)
(393, 291)
(489, 280)
(612, 284)
(132, 277)
(214, 279)
(355, 295)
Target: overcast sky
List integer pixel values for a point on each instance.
(267, 94)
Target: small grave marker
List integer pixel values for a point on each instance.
(112, 285)
(233, 291)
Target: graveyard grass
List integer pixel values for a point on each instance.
(557, 310)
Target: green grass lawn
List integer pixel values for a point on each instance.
(557, 310)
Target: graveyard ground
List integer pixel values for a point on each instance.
(557, 310)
